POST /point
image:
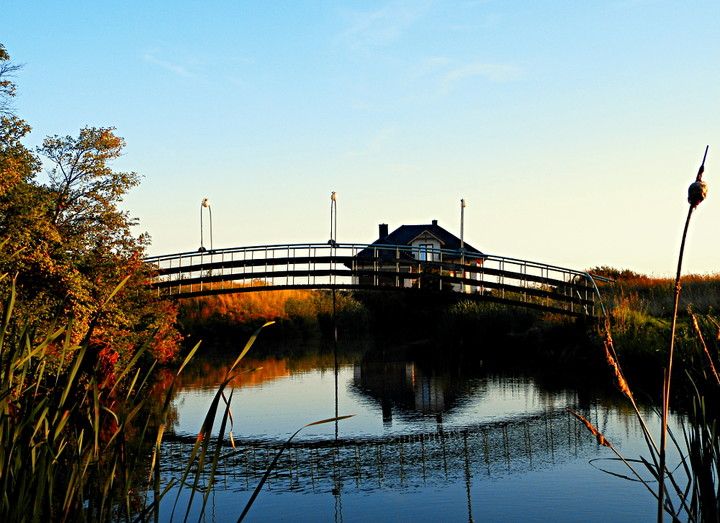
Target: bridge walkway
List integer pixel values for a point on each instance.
(372, 267)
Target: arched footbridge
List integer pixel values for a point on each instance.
(468, 274)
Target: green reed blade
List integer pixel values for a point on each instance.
(249, 344)
(277, 458)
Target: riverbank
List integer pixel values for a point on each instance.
(638, 309)
(629, 347)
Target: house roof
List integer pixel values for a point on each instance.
(405, 234)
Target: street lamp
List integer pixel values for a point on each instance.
(333, 218)
(205, 203)
(462, 240)
(332, 243)
(462, 224)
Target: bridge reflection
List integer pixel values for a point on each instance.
(404, 456)
(398, 461)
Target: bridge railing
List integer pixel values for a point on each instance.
(363, 266)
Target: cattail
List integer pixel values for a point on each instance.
(697, 192)
(698, 189)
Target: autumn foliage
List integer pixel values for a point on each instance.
(300, 314)
(68, 247)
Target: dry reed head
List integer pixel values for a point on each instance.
(622, 384)
(595, 432)
(609, 350)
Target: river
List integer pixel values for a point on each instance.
(426, 442)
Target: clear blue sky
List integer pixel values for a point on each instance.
(571, 128)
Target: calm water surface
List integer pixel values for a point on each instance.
(423, 444)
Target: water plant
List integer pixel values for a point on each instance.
(81, 440)
(71, 438)
(694, 483)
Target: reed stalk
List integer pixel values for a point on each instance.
(696, 194)
(699, 497)
(266, 475)
(68, 450)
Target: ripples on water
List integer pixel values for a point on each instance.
(423, 445)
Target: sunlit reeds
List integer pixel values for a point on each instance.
(652, 297)
(692, 488)
(76, 446)
(71, 445)
(300, 314)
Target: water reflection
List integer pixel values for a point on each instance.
(424, 458)
(419, 429)
(405, 387)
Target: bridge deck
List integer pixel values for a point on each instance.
(388, 267)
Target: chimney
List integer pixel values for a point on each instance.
(434, 222)
(383, 230)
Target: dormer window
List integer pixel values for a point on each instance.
(423, 254)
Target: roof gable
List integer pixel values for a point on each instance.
(405, 234)
(426, 233)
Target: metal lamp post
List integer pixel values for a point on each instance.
(332, 243)
(205, 203)
(462, 224)
(462, 240)
(333, 218)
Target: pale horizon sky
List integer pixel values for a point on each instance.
(572, 129)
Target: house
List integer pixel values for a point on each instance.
(427, 249)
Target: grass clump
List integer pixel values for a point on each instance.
(691, 489)
(71, 442)
(300, 315)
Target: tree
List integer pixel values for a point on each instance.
(87, 190)
(68, 243)
(8, 88)
(17, 163)
(23, 205)
(97, 249)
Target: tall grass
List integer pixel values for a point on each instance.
(71, 441)
(81, 440)
(655, 296)
(300, 315)
(692, 488)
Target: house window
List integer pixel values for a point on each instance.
(423, 254)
